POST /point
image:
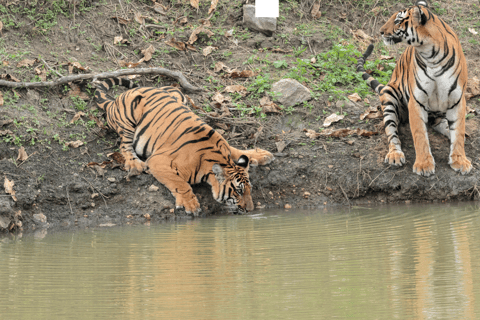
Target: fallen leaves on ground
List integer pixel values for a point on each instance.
(159, 8)
(75, 65)
(219, 66)
(128, 64)
(382, 57)
(77, 116)
(332, 119)
(207, 50)
(339, 133)
(176, 44)
(269, 106)
(77, 92)
(5, 132)
(472, 31)
(121, 20)
(220, 98)
(361, 36)
(1, 98)
(194, 35)
(97, 121)
(119, 39)
(241, 74)
(26, 63)
(194, 3)
(74, 144)
(213, 6)
(192, 103)
(5, 122)
(8, 77)
(236, 88)
(354, 97)
(147, 53)
(117, 157)
(376, 10)
(473, 88)
(371, 113)
(8, 185)
(316, 13)
(42, 73)
(22, 154)
(139, 18)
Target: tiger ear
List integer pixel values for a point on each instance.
(421, 3)
(243, 161)
(218, 171)
(419, 18)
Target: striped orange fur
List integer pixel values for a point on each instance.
(427, 86)
(159, 132)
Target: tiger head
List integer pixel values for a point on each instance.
(406, 25)
(233, 185)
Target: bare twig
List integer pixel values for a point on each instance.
(68, 198)
(344, 194)
(103, 196)
(46, 64)
(26, 159)
(124, 72)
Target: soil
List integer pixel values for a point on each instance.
(55, 187)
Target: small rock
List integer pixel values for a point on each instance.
(40, 217)
(94, 195)
(147, 216)
(111, 179)
(4, 222)
(153, 188)
(264, 25)
(287, 206)
(291, 92)
(306, 194)
(5, 206)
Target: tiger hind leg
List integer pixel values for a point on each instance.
(180, 189)
(456, 121)
(133, 164)
(257, 156)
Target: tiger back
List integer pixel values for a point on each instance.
(427, 86)
(159, 132)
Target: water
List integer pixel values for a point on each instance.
(383, 263)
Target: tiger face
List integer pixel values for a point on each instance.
(234, 188)
(406, 25)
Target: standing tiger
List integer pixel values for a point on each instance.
(159, 132)
(427, 85)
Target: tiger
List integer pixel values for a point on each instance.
(161, 135)
(427, 86)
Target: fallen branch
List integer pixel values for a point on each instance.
(124, 72)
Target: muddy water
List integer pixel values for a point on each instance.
(381, 263)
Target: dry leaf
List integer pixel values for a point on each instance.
(365, 133)
(176, 44)
(371, 113)
(42, 73)
(194, 35)
(5, 63)
(22, 154)
(77, 116)
(472, 31)
(311, 134)
(190, 47)
(219, 66)
(5, 122)
(74, 144)
(9, 77)
(160, 8)
(1, 98)
(117, 157)
(316, 13)
(382, 57)
(5, 132)
(281, 145)
(354, 97)
(244, 74)
(123, 63)
(473, 88)
(139, 18)
(76, 65)
(99, 123)
(269, 106)
(208, 50)
(236, 88)
(76, 92)
(213, 6)
(194, 3)
(117, 39)
(192, 103)
(26, 63)
(341, 133)
(376, 10)
(228, 33)
(8, 185)
(332, 118)
(220, 98)
(148, 53)
(121, 20)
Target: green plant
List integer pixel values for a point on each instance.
(280, 64)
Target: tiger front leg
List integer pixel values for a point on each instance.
(424, 163)
(180, 189)
(456, 120)
(395, 155)
(133, 165)
(256, 156)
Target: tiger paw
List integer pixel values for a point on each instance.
(261, 157)
(460, 163)
(424, 167)
(190, 204)
(135, 167)
(395, 157)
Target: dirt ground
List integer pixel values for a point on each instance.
(55, 186)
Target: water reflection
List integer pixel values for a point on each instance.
(385, 263)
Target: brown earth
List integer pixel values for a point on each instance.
(55, 188)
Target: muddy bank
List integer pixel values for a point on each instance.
(55, 187)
